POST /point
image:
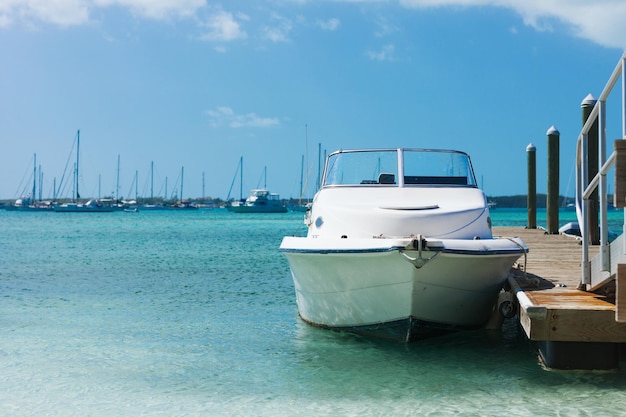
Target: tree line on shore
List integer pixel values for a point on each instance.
(521, 201)
(511, 201)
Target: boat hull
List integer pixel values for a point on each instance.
(82, 209)
(260, 201)
(388, 288)
(27, 208)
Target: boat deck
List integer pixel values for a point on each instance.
(551, 308)
(552, 258)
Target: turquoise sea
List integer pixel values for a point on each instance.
(192, 313)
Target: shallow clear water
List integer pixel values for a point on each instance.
(192, 313)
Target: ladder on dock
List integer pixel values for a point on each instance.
(609, 265)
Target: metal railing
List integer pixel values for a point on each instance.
(586, 187)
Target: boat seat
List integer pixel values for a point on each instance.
(386, 178)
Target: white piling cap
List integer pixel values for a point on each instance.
(531, 147)
(553, 131)
(589, 100)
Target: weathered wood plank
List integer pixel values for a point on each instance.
(555, 258)
(620, 294)
(620, 173)
(570, 315)
(551, 307)
(599, 277)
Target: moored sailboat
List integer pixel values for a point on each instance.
(31, 203)
(91, 206)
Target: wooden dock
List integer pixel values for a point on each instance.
(571, 328)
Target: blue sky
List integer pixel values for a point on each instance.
(199, 84)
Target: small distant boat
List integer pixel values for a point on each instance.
(25, 204)
(399, 246)
(152, 205)
(300, 207)
(185, 205)
(569, 206)
(30, 203)
(91, 206)
(573, 229)
(155, 207)
(259, 201)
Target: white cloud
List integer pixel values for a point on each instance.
(279, 32)
(58, 12)
(224, 27)
(600, 21)
(385, 54)
(156, 9)
(77, 12)
(225, 116)
(384, 27)
(330, 24)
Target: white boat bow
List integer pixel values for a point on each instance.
(399, 260)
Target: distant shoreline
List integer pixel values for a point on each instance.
(521, 201)
(513, 201)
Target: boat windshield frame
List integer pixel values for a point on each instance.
(398, 167)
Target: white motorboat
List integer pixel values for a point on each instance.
(259, 201)
(399, 245)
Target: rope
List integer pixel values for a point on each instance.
(522, 249)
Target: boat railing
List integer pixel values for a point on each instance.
(602, 269)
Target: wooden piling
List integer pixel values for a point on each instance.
(552, 203)
(592, 168)
(531, 151)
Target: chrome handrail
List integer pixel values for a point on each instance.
(586, 187)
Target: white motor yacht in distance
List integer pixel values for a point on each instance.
(399, 244)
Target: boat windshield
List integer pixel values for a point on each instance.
(424, 167)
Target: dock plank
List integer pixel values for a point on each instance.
(553, 257)
(552, 308)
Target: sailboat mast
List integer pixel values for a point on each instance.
(77, 194)
(117, 183)
(40, 176)
(241, 178)
(34, 178)
(74, 183)
(182, 175)
(301, 179)
(152, 182)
